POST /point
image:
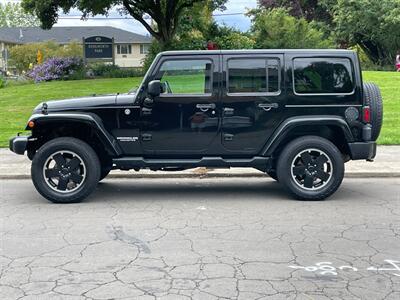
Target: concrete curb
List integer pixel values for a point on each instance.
(213, 175)
(386, 165)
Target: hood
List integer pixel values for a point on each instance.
(81, 103)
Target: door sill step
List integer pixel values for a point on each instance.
(127, 163)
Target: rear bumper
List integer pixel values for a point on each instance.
(19, 144)
(362, 150)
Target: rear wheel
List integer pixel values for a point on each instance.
(311, 168)
(65, 170)
(373, 99)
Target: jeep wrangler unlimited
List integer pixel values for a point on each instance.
(297, 115)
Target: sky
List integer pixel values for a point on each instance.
(233, 6)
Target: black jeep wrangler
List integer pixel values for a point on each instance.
(297, 115)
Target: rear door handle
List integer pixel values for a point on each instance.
(228, 137)
(268, 106)
(205, 107)
(228, 111)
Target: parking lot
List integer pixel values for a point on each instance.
(220, 238)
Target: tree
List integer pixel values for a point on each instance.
(374, 25)
(229, 38)
(311, 10)
(166, 14)
(275, 28)
(13, 15)
(196, 27)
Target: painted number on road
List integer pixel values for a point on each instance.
(327, 268)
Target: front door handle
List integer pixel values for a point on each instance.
(205, 107)
(268, 106)
(147, 137)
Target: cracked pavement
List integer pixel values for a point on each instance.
(220, 238)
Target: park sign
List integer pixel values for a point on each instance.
(98, 48)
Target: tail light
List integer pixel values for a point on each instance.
(366, 114)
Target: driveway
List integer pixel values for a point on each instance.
(220, 238)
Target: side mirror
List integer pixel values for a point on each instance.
(154, 88)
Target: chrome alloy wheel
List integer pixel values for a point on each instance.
(64, 171)
(311, 169)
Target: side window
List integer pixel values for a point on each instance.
(257, 75)
(186, 76)
(323, 76)
(124, 49)
(144, 48)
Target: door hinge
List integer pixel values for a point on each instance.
(228, 137)
(146, 137)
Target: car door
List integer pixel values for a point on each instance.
(184, 118)
(252, 101)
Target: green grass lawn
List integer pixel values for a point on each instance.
(389, 83)
(17, 102)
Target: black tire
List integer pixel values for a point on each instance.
(373, 98)
(297, 181)
(272, 174)
(88, 169)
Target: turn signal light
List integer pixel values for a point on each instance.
(31, 124)
(367, 114)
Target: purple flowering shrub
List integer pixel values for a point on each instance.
(56, 68)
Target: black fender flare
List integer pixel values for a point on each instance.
(284, 128)
(92, 120)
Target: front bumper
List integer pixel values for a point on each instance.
(19, 144)
(362, 150)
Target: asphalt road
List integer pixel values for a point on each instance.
(201, 239)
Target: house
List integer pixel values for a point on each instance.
(129, 48)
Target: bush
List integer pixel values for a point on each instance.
(114, 71)
(277, 29)
(2, 81)
(22, 56)
(154, 49)
(231, 39)
(368, 65)
(56, 69)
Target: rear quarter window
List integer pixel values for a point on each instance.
(253, 76)
(323, 76)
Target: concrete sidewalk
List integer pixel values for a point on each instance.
(386, 164)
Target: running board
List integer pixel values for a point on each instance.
(126, 163)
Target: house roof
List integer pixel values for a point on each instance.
(64, 35)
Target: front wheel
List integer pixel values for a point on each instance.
(311, 168)
(65, 170)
